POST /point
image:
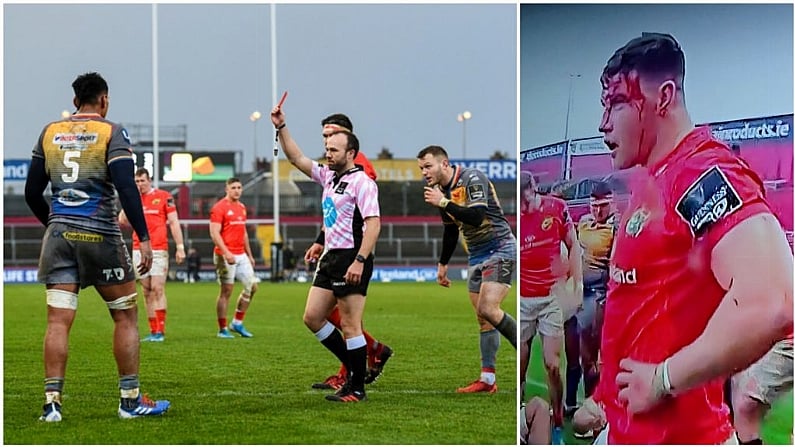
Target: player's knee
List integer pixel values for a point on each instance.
(312, 321)
(61, 299)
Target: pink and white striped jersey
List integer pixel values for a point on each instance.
(348, 198)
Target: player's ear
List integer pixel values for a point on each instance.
(76, 103)
(665, 97)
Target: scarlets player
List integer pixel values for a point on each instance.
(701, 274)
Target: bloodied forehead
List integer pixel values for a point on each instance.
(621, 84)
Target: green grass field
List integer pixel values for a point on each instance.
(776, 429)
(257, 391)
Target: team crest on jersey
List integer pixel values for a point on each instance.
(341, 188)
(155, 201)
(637, 221)
(710, 198)
(547, 223)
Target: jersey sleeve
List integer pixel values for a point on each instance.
(217, 214)
(38, 148)
(476, 188)
(714, 195)
(120, 145)
(367, 198)
(170, 205)
(318, 173)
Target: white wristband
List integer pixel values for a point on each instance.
(181, 247)
(666, 378)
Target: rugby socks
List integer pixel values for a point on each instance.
(507, 327)
(153, 324)
(573, 373)
(221, 324)
(160, 315)
(357, 359)
(488, 375)
(239, 315)
(489, 344)
(130, 389)
(53, 388)
(331, 338)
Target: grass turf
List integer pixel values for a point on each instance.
(257, 391)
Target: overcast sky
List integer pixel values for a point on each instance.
(738, 61)
(401, 72)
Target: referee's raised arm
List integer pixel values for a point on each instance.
(289, 146)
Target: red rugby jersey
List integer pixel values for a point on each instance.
(662, 291)
(157, 204)
(232, 217)
(540, 233)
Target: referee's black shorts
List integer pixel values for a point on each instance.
(331, 269)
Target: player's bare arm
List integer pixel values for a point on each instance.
(575, 258)
(754, 264)
(247, 247)
(176, 233)
(289, 146)
(215, 235)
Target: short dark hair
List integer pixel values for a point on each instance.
(89, 87)
(231, 180)
(338, 119)
(142, 171)
(436, 151)
(601, 190)
(353, 141)
(654, 55)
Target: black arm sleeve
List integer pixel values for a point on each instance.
(449, 242)
(129, 196)
(35, 185)
(321, 238)
(469, 215)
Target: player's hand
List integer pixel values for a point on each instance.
(229, 258)
(146, 257)
(180, 255)
(251, 260)
(441, 276)
(313, 253)
(433, 195)
(277, 116)
(354, 274)
(638, 385)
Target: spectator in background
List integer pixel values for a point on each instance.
(194, 265)
(289, 262)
